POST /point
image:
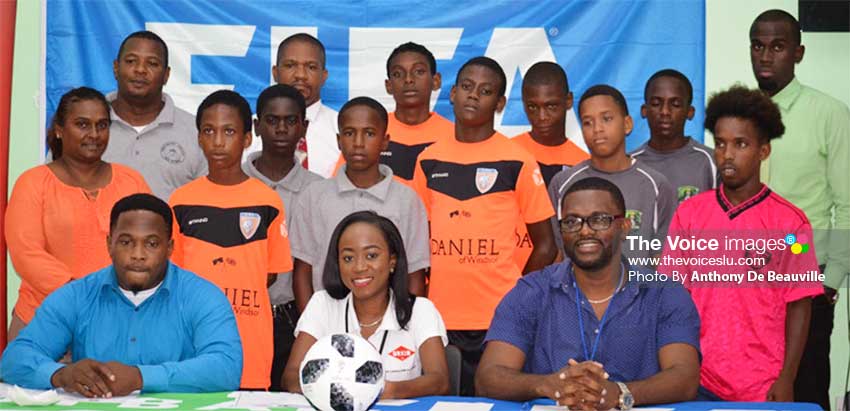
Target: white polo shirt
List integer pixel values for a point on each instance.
(325, 315)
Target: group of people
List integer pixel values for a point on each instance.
(415, 233)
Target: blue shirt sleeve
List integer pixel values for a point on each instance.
(515, 320)
(217, 365)
(30, 360)
(678, 320)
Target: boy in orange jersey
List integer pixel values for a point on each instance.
(474, 186)
(411, 78)
(547, 98)
(233, 231)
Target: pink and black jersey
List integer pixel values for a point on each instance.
(742, 283)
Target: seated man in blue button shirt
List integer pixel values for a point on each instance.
(140, 324)
(582, 332)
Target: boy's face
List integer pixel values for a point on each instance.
(280, 126)
(222, 136)
(666, 108)
(738, 151)
(604, 126)
(410, 81)
(300, 66)
(362, 137)
(475, 96)
(546, 106)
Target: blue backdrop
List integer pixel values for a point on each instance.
(217, 44)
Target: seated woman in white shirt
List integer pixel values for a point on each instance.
(365, 280)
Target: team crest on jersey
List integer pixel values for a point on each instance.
(401, 353)
(248, 224)
(485, 179)
(686, 192)
(634, 216)
(538, 177)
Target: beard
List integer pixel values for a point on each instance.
(595, 264)
(768, 85)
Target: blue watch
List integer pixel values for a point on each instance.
(626, 399)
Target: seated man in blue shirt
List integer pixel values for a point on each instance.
(587, 332)
(140, 324)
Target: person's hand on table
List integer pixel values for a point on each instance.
(389, 391)
(578, 385)
(87, 377)
(127, 378)
(782, 390)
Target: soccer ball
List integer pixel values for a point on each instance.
(342, 372)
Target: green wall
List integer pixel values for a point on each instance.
(825, 66)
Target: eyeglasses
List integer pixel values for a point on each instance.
(597, 222)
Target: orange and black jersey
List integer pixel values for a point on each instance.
(474, 194)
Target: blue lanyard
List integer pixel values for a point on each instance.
(601, 322)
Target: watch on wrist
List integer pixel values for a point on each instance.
(626, 399)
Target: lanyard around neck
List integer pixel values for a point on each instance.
(383, 339)
(579, 294)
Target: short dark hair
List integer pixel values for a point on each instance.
(365, 102)
(596, 183)
(675, 74)
(605, 90)
(398, 278)
(302, 37)
(142, 201)
(73, 96)
(228, 98)
(778, 16)
(490, 64)
(281, 91)
(744, 103)
(546, 73)
(411, 47)
(147, 35)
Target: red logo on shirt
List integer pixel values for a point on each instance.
(402, 353)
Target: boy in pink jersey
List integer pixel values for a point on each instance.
(753, 286)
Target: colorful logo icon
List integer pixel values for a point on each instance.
(796, 247)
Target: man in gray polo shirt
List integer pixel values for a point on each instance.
(649, 197)
(361, 184)
(687, 164)
(281, 123)
(148, 132)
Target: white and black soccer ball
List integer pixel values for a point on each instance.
(342, 372)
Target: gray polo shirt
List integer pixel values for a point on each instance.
(690, 169)
(324, 204)
(650, 201)
(165, 152)
(288, 188)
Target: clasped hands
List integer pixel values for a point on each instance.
(92, 378)
(582, 386)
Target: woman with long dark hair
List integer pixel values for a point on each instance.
(365, 279)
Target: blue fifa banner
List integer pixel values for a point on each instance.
(233, 44)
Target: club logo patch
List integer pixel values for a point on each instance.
(172, 152)
(248, 224)
(485, 179)
(686, 192)
(538, 177)
(634, 216)
(402, 353)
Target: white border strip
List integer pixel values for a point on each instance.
(41, 98)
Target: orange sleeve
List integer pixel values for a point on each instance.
(420, 185)
(26, 236)
(280, 257)
(533, 199)
(339, 164)
(177, 251)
